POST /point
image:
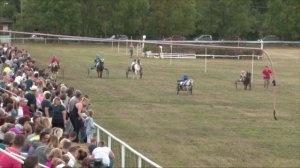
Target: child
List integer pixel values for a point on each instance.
(90, 126)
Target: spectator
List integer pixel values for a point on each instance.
(31, 97)
(58, 132)
(58, 162)
(46, 122)
(76, 115)
(10, 110)
(266, 76)
(24, 107)
(36, 134)
(40, 150)
(66, 159)
(90, 126)
(92, 145)
(66, 145)
(46, 105)
(59, 118)
(72, 155)
(7, 140)
(75, 99)
(8, 162)
(18, 109)
(29, 81)
(43, 141)
(19, 78)
(27, 129)
(72, 136)
(31, 162)
(55, 153)
(80, 156)
(103, 156)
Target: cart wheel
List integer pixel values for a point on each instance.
(88, 71)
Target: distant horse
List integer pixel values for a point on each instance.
(185, 86)
(136, 69)
(99, 68)
(245, 80)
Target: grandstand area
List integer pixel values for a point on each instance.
(217, 126)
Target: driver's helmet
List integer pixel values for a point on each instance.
(185, 77)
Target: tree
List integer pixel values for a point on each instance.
(282, 19)
(168, 17)
(224, 18)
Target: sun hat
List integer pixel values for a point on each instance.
(33, 88)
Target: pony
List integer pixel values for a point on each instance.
(246, 80)
(136, 69)
(100, 68)
(54, 68)
(185, 86)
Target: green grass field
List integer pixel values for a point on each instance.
(217, 126)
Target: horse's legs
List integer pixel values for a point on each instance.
(236, 82)
(101, 74)
(250, 86)
(141, 73)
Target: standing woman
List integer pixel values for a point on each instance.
(59, 118)
(76, 116)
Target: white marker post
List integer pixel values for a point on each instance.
(252, 68)
(171, 53)
(205, 62)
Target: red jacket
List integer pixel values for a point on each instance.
(26, 111)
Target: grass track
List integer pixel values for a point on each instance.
(217, 126)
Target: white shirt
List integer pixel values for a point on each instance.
(18, 79)
(72, 160)
(102, 153)
(20, 112)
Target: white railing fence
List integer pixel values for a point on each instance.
(126, 156)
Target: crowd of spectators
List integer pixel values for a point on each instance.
(45, 121)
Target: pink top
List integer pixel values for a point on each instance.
(8, 162)
(267, 73)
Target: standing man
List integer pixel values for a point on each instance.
(31, 97)
(266, 75)
(131, 50)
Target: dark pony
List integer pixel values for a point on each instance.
(100, 68)
(246, 81)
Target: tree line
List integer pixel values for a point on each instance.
(249, 19)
